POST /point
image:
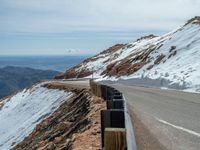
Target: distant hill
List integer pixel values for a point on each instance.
(13, 79)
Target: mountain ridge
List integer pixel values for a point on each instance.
(172, 57)
(14, 78)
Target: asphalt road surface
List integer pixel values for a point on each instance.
(167, 118)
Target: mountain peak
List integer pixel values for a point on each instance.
(195, 20)
(147, 37)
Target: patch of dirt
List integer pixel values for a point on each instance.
(90, 139)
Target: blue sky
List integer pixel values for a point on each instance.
(63, 27)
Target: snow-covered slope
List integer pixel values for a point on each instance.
(20, 113)
(173, 57)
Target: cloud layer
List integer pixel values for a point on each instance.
(52, 26)
(117, 15)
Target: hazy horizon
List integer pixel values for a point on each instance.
(57, 63)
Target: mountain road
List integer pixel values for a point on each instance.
(163, 119)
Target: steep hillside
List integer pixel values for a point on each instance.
(171, 59)
(51, 115)
(16, 78)
(20, 113)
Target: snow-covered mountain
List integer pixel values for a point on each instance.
(19, 114)
(173, 59)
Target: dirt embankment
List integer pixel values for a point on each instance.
(74, 125)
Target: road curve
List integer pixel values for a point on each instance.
(164, 119)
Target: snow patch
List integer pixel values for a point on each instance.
(22, 112)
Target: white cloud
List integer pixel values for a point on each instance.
(54, 26)
(117, 15)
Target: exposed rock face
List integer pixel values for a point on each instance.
(159, 58)
(147, 37)
(128, 65)
(195, 20)
(67, 124)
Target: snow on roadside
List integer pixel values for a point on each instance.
(21, 113)
(182, 69)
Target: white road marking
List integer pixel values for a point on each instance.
(179, 127)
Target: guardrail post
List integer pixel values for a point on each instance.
(111, 119)
(105, 122)
(115, 104)
(115, 139)
(117, 97)
(113, 129)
